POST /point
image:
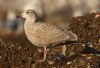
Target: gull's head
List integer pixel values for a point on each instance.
(30, 13)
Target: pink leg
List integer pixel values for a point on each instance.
(45, 54)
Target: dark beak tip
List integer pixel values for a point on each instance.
(18, 16)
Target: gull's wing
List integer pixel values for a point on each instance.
(49, 34)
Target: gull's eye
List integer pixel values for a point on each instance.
(27, 12)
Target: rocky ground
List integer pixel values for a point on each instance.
(18, 52)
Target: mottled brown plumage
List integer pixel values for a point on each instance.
(43, 34)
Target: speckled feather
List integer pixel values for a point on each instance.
(43, 34)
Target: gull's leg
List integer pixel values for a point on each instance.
(64, 50)
(45, 54)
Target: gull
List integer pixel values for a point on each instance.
(42, 34)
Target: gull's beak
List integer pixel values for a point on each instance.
(18, 16)
(21, 16)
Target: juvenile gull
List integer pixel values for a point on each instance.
(42, 34)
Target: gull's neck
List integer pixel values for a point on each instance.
(29, 23)
(30, 20)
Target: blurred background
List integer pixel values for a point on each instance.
(50, 11)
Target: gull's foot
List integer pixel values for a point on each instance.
(40, 61)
